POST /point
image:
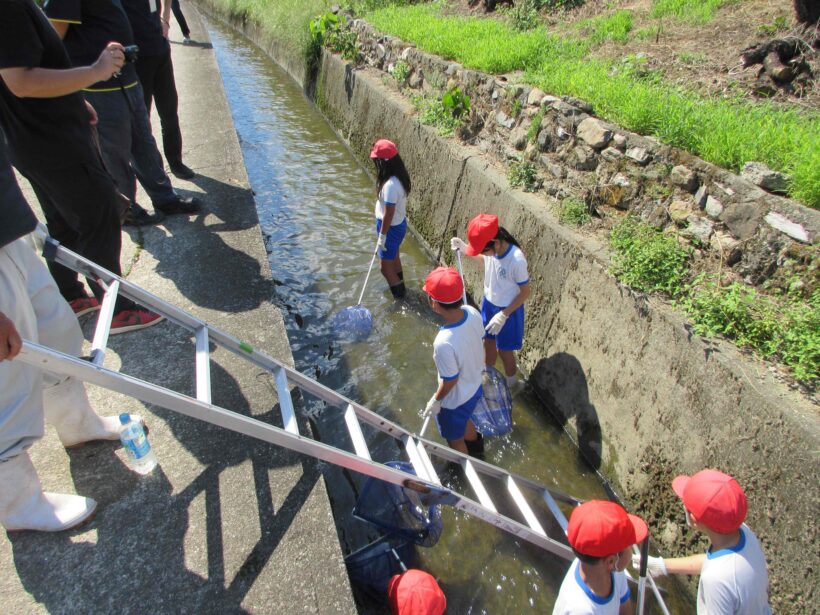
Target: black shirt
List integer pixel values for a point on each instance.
(92, 25)
(16, 217)
(49, 132)
(146, 23)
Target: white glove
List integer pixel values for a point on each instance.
(433, 407)
(381, 242)
(458, 245)
(654, 565)
(496, 323)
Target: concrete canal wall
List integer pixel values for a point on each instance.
(645, 397)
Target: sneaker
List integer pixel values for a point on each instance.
(84, 305)
(138, 216)
(182, 171)
(133, 320)
(186, 40)
(181, 205)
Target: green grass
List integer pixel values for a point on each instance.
(287, 20)
(728, 133)
(614, 27)
(574, 212)
(691, 11)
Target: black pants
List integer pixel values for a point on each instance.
(80, 206)
(183, 25)
(156, 75)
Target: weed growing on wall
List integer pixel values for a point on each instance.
(401, 71)
(433, 113)
(522, 174)
(574, 212)
(456, 103)
(647, 259)
(787, 328)
(331, 31)
(535, 126)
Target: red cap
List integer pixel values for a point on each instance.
(599, 528)
(384, 149)
(415, 593)
(480, 231)
(444, 285)
(715, 498)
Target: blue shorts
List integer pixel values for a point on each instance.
(511, 336)
(453, 423)
(394, 238)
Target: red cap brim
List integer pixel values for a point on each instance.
(641, 529)
(679, 484)
(471, 251)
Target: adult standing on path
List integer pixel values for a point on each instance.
(47, 125)
(183, 24)
(156, 74)
(31, 308)
(128, 147)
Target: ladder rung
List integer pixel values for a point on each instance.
(359, 445)
(477, 485)
(525, 509)
(285, 401)
(203, 366)
(556, 512)
(415, 459)
(425, 458)
(100, 342)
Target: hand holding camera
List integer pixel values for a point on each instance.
(113, 57)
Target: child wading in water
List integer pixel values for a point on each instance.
(392, 188)
(458, 357)
(506, 288)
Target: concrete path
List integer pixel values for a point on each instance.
(227, 524)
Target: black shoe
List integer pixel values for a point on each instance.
(181, 205)
(138, 216)
(182, 171)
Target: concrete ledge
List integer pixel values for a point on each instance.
(226, 524)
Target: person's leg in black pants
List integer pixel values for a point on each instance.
(156, 75)
(80, 206)
(183, 25)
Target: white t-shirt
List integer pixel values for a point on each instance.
(503, 275)
(734, 581)
(458, 351)
(576, 598)
(392, 193)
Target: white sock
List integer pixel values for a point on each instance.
(511, 380)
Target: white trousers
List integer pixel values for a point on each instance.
(30, 299)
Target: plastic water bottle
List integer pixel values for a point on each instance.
(132, 435)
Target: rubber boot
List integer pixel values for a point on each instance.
(66, 407)
(475, 448)
(398, 290)
(24, 505)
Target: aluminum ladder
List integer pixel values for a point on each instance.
(528, 506)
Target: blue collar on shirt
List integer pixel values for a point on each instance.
(728, 550)
(507, 251)
(592, 595)
(456, 324)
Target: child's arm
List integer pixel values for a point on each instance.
(457, 244)
(520, 298)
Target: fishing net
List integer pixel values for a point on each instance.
(354, 322)
(493, 413)
(372, 566)
(398, 510)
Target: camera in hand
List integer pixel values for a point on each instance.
(131, 52)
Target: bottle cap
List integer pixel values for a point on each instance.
(125, 418)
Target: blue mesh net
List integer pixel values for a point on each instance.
(354, 322)
(372, 566)
(493, 414)
(398, 510)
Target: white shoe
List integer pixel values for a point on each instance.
(24, 505)
(66, 407)
(187, 41)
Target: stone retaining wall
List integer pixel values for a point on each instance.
(645, 397)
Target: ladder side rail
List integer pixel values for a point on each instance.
(100, 342)
(45, 358)
(203, 366)
(48, 359)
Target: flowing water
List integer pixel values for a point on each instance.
(315, 206)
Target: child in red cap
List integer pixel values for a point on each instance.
(457, 351)
(506, 288)
(392, 188)
(601, 534)
(733, 575)
(415, 592)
